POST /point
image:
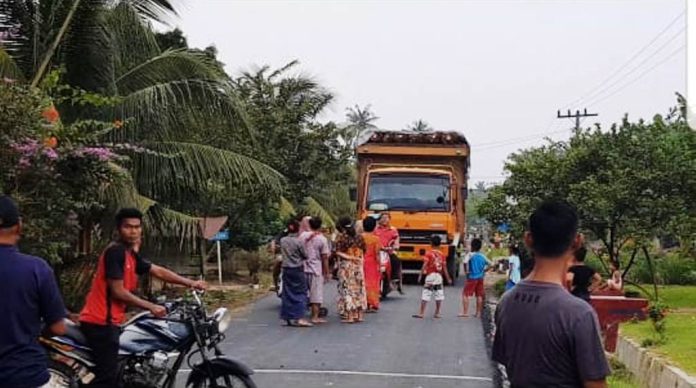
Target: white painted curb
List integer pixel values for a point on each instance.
(649, 369)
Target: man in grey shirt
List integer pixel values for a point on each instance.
(545, 336)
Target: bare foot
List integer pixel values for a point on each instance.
(463, 315)
(437, 316)
(319, 321)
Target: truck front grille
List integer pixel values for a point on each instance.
(414, 236)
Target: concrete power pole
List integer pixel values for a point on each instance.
(577, 115)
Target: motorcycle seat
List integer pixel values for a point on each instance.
(72, 331)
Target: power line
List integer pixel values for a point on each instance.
(624, 76)
(515, 139)
(631, 59)
(665, 60)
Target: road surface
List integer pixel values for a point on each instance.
(391, 349)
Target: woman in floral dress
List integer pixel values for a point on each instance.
(350, 248)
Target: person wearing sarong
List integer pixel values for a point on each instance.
(294, 296)
(371, 265)
(350, 246)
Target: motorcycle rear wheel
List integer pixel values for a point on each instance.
(61, 376)
(227, 380)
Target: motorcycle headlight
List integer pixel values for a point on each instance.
(223, 318)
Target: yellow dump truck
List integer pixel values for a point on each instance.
(420, 179)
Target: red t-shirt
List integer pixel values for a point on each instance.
(116, 263)
(387, 235)
(434, 262)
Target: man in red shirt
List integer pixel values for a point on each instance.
(389, 237)
(435, 271)
(112, 291)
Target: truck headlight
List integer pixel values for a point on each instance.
(443, 238)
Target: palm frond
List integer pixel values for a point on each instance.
(9, 68)
(159, 220)
(165, 109)
(189, 167)
(312, 207)
(286, 209)
(133, 40)
(156, 10)
(171, 65)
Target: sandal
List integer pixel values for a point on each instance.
(437, 316)
(417, 316)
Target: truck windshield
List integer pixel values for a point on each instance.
(410, 192)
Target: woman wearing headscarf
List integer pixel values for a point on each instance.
(350, 248)
(294, 297)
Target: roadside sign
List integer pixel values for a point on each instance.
(222, 235)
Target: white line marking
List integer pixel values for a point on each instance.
(375, 374)
(359, 373)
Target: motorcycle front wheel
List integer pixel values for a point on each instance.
(225, 380)
(62, 376)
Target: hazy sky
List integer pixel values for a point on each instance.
(496, 71)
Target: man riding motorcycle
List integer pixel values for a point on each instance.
(112, 290)
(389, 237)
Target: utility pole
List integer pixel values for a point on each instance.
(577, 115)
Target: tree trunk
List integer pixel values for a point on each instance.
(630, 262)
(652, 270)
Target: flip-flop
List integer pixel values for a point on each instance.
(319, 321)
(347, 321)
(437, 316)
(417, 316)
(463, 315)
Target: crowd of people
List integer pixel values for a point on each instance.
(546, 332)
(361, 256)
(306, 260)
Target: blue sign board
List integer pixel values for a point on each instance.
(504, 228)
(222, 235)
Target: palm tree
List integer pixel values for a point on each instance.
(419, 126)
(162, 97)
(360, 120)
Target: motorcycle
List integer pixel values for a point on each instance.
(385, 283)
(152, 350)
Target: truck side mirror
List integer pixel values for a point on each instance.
(353, 193)
(465, 193)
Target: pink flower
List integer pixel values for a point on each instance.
(50, 153)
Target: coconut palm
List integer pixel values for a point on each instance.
(160, 98)
(360, 120)
(419, 125)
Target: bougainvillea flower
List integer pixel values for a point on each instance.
(118, 124)
(51, 142)
(51, 114)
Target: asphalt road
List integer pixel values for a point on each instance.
(390, 349)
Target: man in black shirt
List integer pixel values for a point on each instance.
(581, 277)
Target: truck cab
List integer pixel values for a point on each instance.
(420, 179)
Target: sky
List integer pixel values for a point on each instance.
(495, 70)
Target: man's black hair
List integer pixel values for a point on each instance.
(369, 224)
(315, 223)
(515, 250)
(554, 226)
(127, 213)
(476, 245)
(293, 225)
(435, 240)
(580, 254)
